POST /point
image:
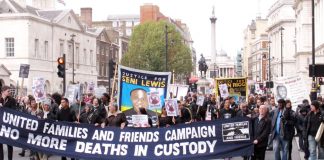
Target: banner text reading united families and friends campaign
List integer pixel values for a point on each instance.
(212, 139)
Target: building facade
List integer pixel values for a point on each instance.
(281, 32)
(39, 37)
(255, 50)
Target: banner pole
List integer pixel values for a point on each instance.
(113, 85)
(21, 87)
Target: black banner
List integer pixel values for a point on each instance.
(212, 139)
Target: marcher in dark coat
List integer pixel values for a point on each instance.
(98, 113)
(289, 121)
(227, 112)
(7, 101)
(66, 114)
(164, 120)
(115, 118)
(261, 131)
(313, 121)
(300, 123)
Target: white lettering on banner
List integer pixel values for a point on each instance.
(140, 150)
(102, 135)
(66, 131)
(139, 136)
(98, 148)
(190, 132)
(174, 149)
(48, 142)
(9, 133)
(18, 121)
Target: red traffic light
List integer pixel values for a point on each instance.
(60, 60)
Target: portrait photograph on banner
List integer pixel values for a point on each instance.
(171, 107)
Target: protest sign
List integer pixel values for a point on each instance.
(98, 91)
(199, 140)
(24, 70)
(73, 93)
(91, 87)
(140, 121)
(134, 86)
(39, 89)
(236, 87)
(293, 88)
(223, 90)
(200, 100)
(179, 91)
(171, 107)
(154, 100)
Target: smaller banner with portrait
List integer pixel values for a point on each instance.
(171, 107)
(39, 89)
(292, 88)
(236, 87)
(24, 70)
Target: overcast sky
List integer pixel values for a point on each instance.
(233, 16)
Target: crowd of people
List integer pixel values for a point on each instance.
(274, 122)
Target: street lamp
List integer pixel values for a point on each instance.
(269, 65)
(281, 29)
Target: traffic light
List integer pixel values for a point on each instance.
(112, 67)
(61, 67)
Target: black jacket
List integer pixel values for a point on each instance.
(98, 115)
(289, 122)
(8, 102)
(261, 131)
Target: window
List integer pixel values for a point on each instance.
(129, 24)
(46, 49)
(61, 48)
(69, 56)
(102, 70)
(10, 47)
(91, 57)
(85, 56)
(98, 67)
(36, 49)
(128, 31)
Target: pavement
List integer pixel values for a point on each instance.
(296, 155)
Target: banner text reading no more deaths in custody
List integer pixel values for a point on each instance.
(212, 139)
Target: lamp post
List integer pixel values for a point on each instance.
(269, 65)
(281, 29)
(72, 41)
(313, 94)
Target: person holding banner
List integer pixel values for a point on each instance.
(312, 124)
(115, 118)
(66, 114)
(261, 131)
(227, 112)
(8, 102)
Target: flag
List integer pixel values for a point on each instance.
(61, 1)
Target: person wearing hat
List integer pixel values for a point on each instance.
(312, 124)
